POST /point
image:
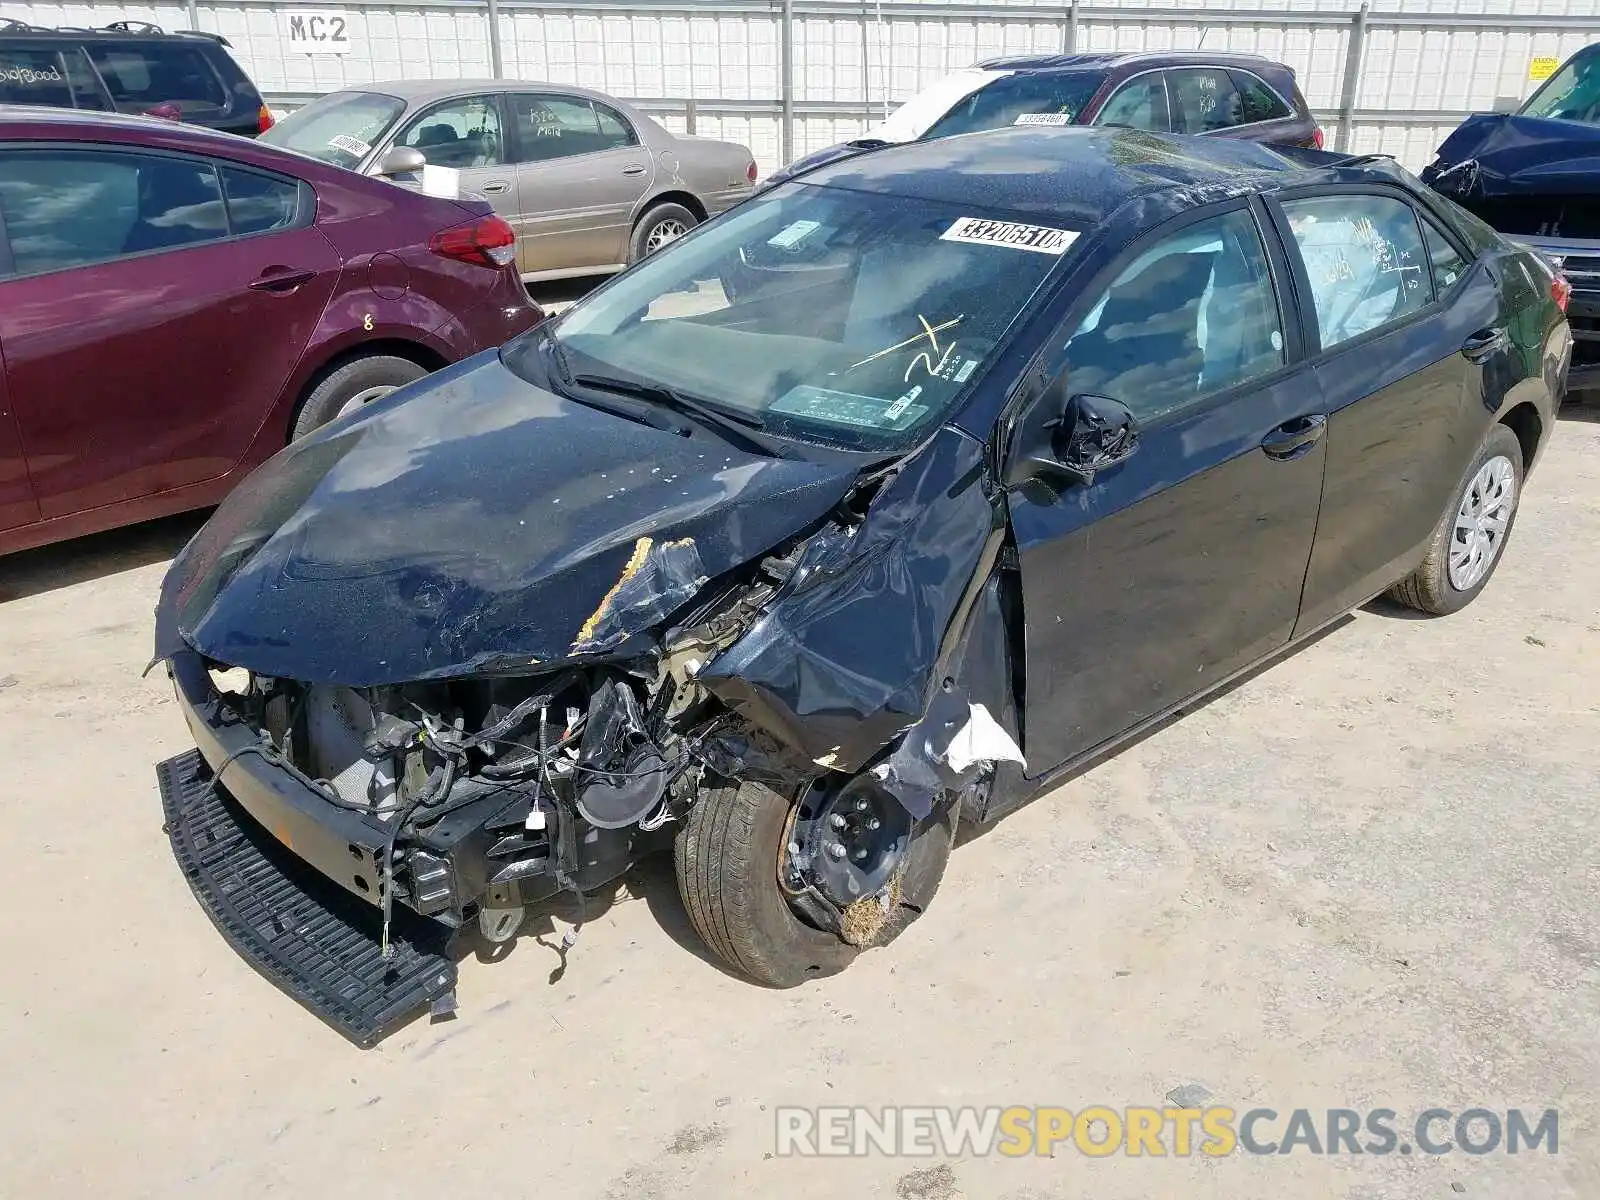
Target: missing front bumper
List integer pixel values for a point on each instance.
(303, 932)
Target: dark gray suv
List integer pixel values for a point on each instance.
(131, 67)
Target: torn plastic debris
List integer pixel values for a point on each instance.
(947, 750)
(659, 578)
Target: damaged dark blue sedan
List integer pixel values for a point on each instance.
(880, 503)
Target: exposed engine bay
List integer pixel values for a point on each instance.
(496, 793)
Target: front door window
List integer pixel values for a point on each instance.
(463, 134)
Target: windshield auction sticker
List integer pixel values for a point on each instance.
(1039, 238)
(1043, 119)
(350, 145)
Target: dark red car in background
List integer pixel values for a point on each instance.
(176, 305)
(1160, 91)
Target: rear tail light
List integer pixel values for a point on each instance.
(1316, 136)
(1560, 291)
(264, 119)
(750, 171)
(488, 242)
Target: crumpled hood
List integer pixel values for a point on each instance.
(1501, 155)
(473, 522)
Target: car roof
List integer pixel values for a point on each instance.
(22, 119)
(425, 91)
(1108, 59)
(26, 122)
(1081, 174)
(24, 34)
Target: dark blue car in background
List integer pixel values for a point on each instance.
(1535, 175)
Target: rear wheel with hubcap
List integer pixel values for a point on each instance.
(358, 382)
(1471, 536)
(660, 226)
(786, 889)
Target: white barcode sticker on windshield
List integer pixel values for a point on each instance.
(1043, 119)
(1039, 238)
(350, 145)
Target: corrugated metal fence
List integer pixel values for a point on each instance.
(790, 76)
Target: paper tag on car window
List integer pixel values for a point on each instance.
(792, 234)
(982, 232)
(350, 145)
(1043, 119)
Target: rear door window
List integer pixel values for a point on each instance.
(70, 208)
(550, 127)
(87, 89)
(1204, 100)
(259, 203)
(1257, 101)
(142, 76)
(615, 132)
(1446, 261)
(1364, 260)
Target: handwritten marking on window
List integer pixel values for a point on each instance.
(926, 357)
(928, 332)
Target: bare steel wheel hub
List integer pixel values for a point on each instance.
(849, 844)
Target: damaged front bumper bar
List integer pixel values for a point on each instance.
(345, 846)
(292, 924)
(292, 881)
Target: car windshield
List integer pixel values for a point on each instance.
(339, 129)
(1572, 94)
(1055, 98)
(825, 315)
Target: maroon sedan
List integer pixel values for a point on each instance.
(177, 304)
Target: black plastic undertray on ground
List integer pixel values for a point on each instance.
(302, 931)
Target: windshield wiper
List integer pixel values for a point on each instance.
(563, 375)
(736, 427)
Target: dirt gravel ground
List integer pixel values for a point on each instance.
(1366, 877)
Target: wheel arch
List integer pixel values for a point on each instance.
(1523, 419)
(687, 199)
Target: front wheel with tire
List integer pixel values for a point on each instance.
(1471, 536)
(661, 226)
(737, 872)
(356, 383)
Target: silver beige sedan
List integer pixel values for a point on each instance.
(588, 183)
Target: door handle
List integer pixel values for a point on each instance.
(636, 169)
(1294, 439)
(281, 279)
(495, 188)
(1482, 344)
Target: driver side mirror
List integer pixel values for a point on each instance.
(401, 160)
(1077, 439)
